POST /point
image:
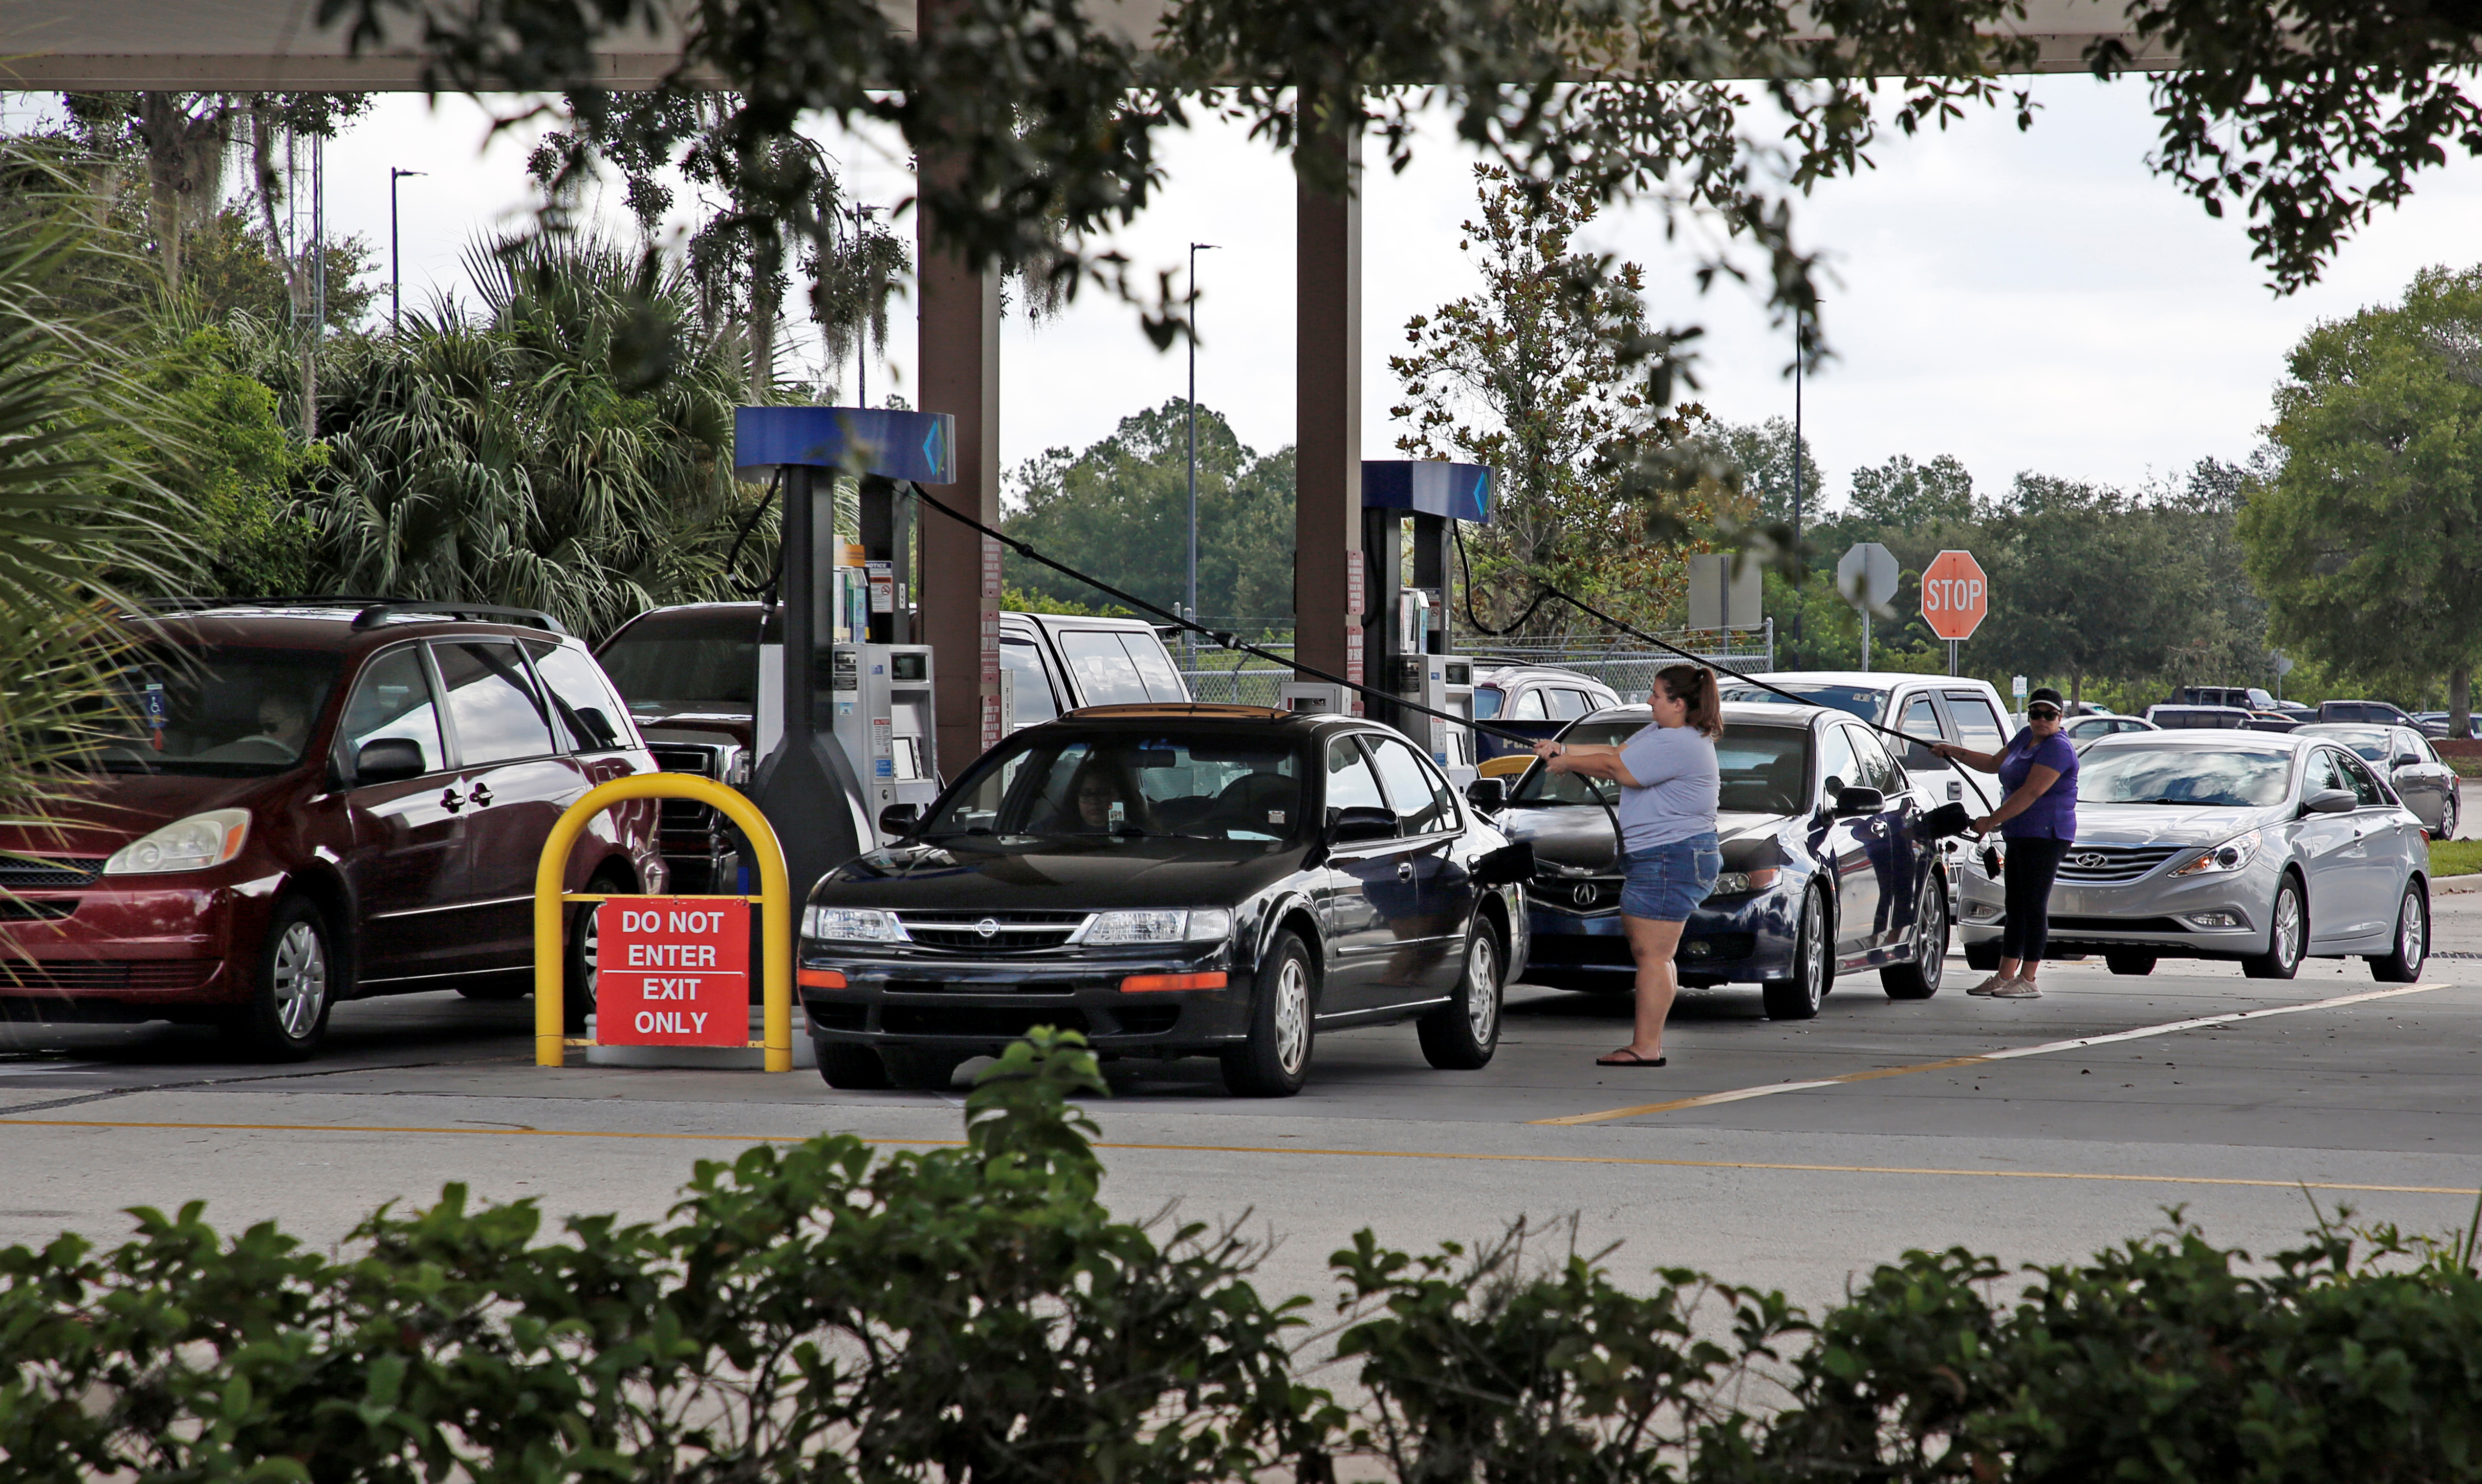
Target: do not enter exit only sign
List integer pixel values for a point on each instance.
(1956, 597)
(671, 972)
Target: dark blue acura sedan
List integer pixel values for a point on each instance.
(1824, 871)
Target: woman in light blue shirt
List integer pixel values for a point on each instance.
(1670, 785)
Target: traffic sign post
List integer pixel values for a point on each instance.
(1956, 597)
(1866, 576)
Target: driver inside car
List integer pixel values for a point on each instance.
(1102, 797)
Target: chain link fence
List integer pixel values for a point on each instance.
(1627, 666)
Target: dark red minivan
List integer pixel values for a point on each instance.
(320, 801)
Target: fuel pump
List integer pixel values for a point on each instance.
(1416, 652)
(844, 718)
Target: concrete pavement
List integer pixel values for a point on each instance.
(1941, 1131)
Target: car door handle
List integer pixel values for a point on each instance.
(451, 800)
(1404, 870)
(482, 797)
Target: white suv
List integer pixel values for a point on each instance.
(1926, 708)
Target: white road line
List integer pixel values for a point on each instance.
(2011, 1053)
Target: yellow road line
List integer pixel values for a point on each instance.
(2011, 1053)
(1468, 1156)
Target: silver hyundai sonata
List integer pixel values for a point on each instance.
(2262, 847)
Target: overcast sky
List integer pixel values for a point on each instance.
(2025, 301)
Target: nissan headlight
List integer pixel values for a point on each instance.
(191, 844)
(1158, 925)
(2230, 855)
(850, 925)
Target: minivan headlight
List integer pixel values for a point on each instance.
(191, 844)
(850, 925)
(1158, 925)
(2230, 855)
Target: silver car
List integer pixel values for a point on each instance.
(2426, 784)
(2263, 847)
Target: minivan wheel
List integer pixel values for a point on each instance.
(293, 989)
(1797, 998)
(2412, 940)
(2287, 936)
(1920, 978)
(577, 991)
(2121, 961)
(1460, 1035)
(1275, 1060)
(1982, 958)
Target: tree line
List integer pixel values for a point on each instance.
(2345, 542)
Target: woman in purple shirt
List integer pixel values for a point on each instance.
(2039, 820)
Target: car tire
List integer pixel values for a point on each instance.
(920, 1071)
(2447, 820)
(1982, 958)
(1275, 1060)
(577, 978)
(1920, 978)
(2134, 964)
(292, 989)
(2412, 940)
(1460, 1035)
(850, 1067)
(1796, 999)
(2288, 934)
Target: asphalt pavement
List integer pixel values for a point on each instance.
(1783, 1153)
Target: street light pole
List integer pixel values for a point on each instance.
(862, 333)
(1189, 638)
(396, 263)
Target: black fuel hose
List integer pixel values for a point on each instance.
(1548, 592)
(1225, 640)
(1231, 641)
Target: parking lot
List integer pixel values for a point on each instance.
(1781, 1152)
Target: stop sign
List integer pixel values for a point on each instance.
(1956, 597)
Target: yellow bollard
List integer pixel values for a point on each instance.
(774, 901)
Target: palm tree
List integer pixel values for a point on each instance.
(567, 448)
(78, 437)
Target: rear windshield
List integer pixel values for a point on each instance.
(1191, 786)
(2371, 742)
(221, 711)
(2237, 777)
(686, 662)
(1866, 702)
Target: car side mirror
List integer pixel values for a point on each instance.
(2407, 760)
(387, 761)
(1860, 801)
(1487, 794)
(600, 733)
(899, 818)
(1359, 822)
(2330, 801)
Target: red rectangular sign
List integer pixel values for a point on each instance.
(671, 970)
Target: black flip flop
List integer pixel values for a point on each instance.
(1635, 1060)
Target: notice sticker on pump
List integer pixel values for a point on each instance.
(671, 970)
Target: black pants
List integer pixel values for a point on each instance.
(2027, 876)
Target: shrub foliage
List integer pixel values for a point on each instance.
(823, 1313)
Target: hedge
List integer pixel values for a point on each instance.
(822, 1312)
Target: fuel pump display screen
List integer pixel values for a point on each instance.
(909, 666)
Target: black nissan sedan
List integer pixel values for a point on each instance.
(1823, 871)
(1170, 881)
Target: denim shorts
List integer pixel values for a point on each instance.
(1663, 883)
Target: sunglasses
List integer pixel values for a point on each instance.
(2042, 714)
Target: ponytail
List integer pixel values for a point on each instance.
(1695, 687)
